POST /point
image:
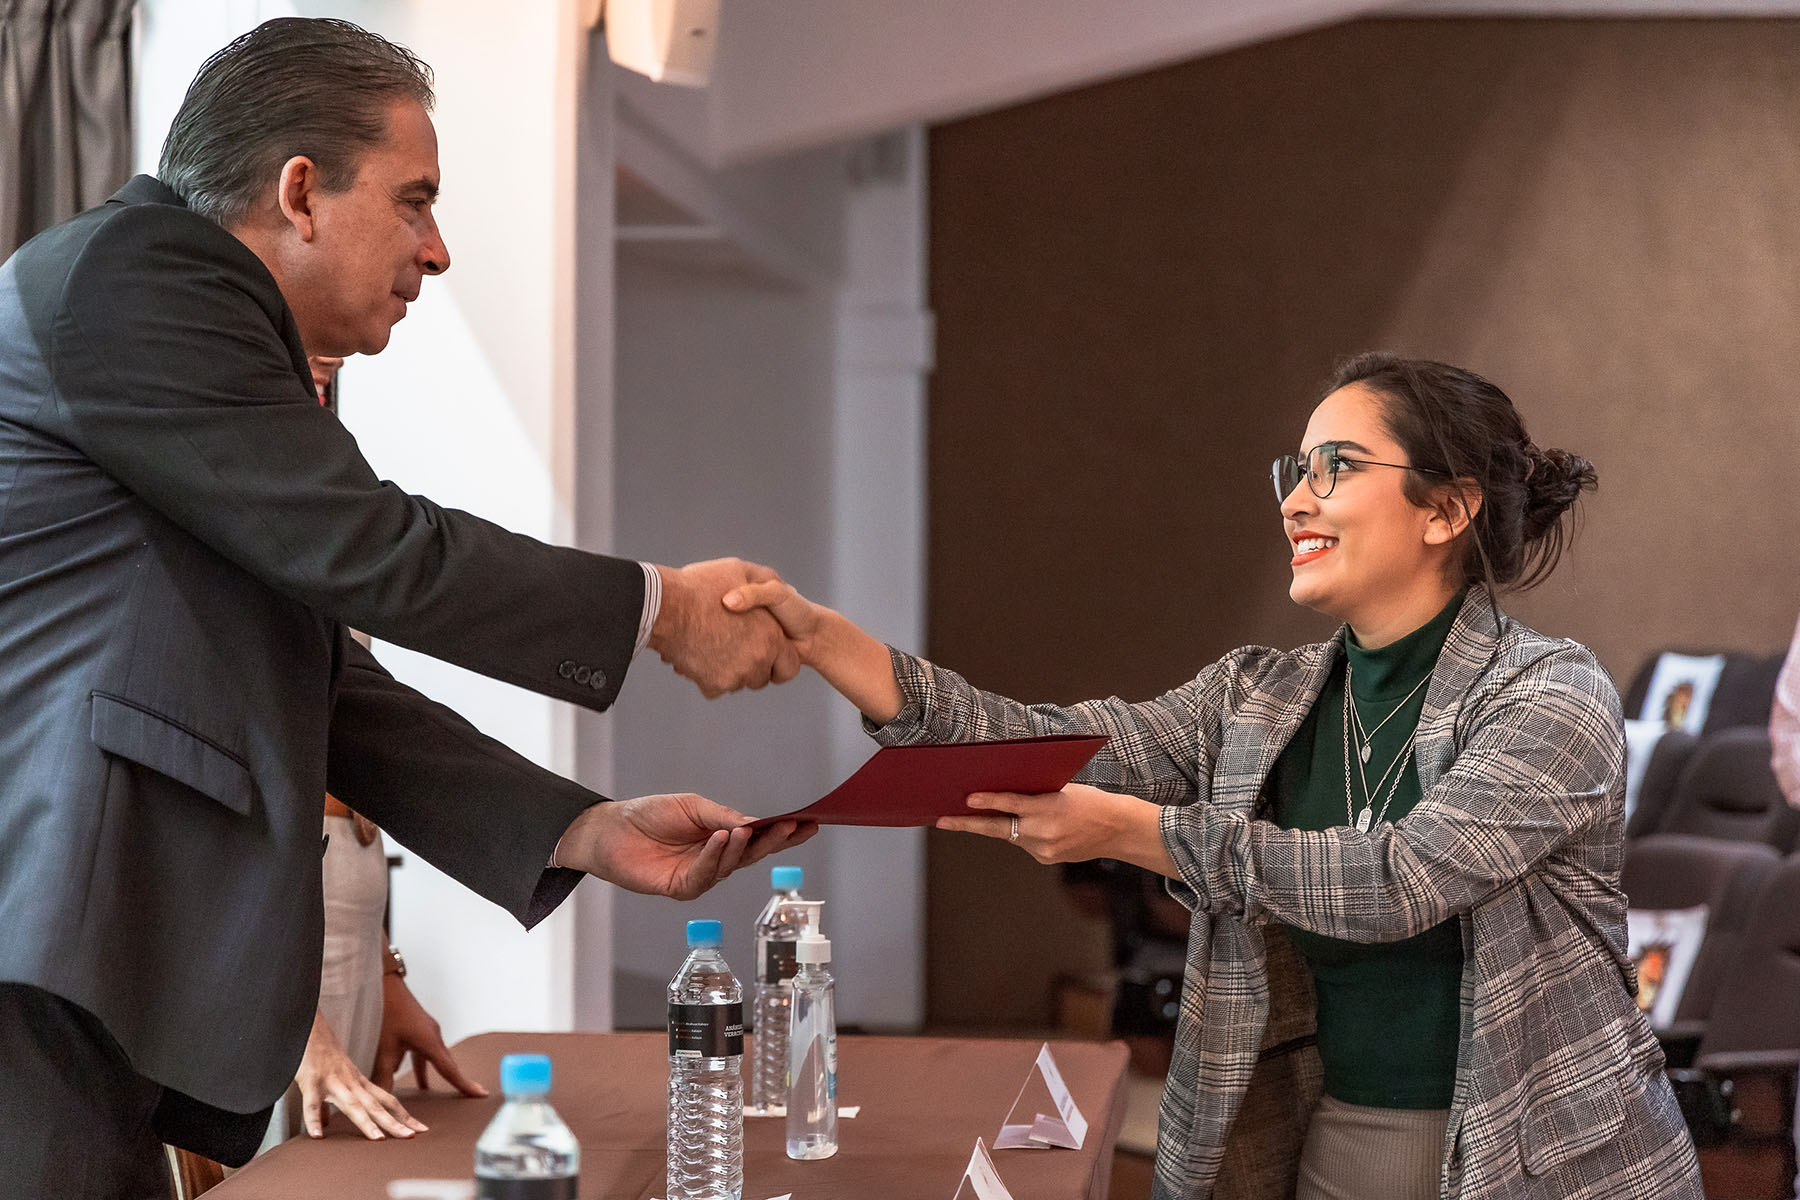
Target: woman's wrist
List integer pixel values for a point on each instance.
(1140, 838)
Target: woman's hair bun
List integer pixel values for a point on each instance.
(1554, 480)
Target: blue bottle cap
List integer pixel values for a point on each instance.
(786, 878)
(705, 933)
(525, 1073)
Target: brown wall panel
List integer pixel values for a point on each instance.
(1139, 285)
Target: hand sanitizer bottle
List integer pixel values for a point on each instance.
(812, 1046)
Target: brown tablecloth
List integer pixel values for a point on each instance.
(924, 1102)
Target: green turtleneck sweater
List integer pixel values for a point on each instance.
(1389, 1012)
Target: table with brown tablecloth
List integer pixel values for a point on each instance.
(924, 1102)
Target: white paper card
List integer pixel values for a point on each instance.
(431, 1189)
(845, 1111)
(1068, 1128)
(980, 1173)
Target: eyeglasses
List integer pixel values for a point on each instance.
(1321, 470)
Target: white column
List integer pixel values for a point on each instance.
(877, 876)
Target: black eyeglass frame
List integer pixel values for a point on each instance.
(1288, 467)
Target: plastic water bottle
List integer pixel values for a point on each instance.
(706, 1082)
(776, 930)
(812, 1046)
(526, 1152)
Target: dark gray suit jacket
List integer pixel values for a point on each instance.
(184, 535)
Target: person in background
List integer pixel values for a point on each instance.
(1784, 737)
(368, 1019)
(1406, 975)
(1784, 724)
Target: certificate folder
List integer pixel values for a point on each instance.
(915, 785)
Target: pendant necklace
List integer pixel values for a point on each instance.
(1366, 819)
(1367, 738)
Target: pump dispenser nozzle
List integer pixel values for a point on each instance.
(812, 947)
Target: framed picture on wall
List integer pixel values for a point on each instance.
(1681, 689)
(1663, 943)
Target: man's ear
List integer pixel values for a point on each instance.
(1454, 506)
(295, 192)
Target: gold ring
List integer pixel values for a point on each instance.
(1014, 835)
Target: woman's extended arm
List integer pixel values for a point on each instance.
(851, 661)
(1079, 822)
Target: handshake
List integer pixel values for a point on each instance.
(720, 649)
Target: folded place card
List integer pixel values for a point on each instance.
(981, 1175)
(1067, 1128)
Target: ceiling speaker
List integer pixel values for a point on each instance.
(671, 41)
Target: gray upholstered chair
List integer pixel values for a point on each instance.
(1740, 1090)
(1668, 871)
(1728, 790)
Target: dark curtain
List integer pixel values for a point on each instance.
(65, 110)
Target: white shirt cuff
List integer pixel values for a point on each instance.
(652, 604)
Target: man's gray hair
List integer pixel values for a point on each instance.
(292, 86)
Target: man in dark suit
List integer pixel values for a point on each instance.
(185, 535)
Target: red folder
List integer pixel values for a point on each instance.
(915, 785)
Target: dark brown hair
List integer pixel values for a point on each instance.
(1454, 423)
(292, 86)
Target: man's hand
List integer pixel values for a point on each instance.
(676, 846)
(721, 651)
(407, 1028)
(326, 1074)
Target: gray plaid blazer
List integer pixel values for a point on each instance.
(1560, 1089)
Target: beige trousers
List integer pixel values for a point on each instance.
(1358, 1153)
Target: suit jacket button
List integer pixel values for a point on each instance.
(582, 674)
(565, 668)
(598, 682)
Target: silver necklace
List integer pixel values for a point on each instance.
(1369, 737)
(1366, 819)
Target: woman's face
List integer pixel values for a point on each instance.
(1365, 553)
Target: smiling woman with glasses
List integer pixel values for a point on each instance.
(1321, 469)
(1406, 976)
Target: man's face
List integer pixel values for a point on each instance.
(374, 242)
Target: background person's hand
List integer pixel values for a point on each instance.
(721, 651)
(407, 1028)
(674, 845)
(327, 1075)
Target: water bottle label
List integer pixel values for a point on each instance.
(779, 963)
(706, 1030)
(526, 1189)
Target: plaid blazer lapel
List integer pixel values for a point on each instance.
(1468, 650)
(1267, 723)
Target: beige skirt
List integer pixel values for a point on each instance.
(1358, 1153)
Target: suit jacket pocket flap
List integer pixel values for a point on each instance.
(154, 741)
